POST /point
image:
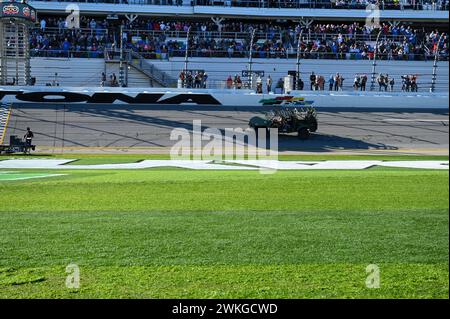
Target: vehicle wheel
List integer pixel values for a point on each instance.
(303, 133)
(314, 126)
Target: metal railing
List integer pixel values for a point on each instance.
(348, 86)
(58, 30)
(59, 53)
(289, 54)
(278, 35)
(280, 44)
(139, 62)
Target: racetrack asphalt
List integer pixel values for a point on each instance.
(146, 128)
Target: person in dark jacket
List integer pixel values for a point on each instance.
(28, 137)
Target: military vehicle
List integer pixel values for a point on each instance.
(288, 120)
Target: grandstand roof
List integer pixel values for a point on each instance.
(238, 12)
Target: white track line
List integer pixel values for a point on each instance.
(211, 165)
(415, 120)
(30, 177)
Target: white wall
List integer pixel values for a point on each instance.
(79, 72)
(249, 98)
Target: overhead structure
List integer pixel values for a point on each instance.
(16, 18)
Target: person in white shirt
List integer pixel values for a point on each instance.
(43, 24)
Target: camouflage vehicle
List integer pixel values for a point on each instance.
(288, 120)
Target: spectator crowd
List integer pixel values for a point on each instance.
(335, 82)
(155, 38)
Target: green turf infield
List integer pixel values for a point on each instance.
(226, 234)
(17, 176)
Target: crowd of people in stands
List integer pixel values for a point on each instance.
(335, 82)
(193, 79)
(155, 38)
(54, 38)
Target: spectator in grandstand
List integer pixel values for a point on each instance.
(320, 83)
(414, 86)
(43, 24)
(383, 81)
(237, 82)
(181, 80)
(342, 41)
(341, 83)
(337, 82)
(28, 137)
(55, 80)
(363, 82)
(330, 83)
(405, 83)
(204, 80)
(103, 79)
(259, 85)
(113, 80)
(269, 84)
(312, 81)
(229, 82)
(300, 84)
(280, 86)
(391, 84)
(357, 82)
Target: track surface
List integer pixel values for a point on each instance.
(75, 127)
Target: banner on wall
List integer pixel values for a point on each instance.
(221, 97)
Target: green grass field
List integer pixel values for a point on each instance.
(174, 233)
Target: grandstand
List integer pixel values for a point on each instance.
(148, 43)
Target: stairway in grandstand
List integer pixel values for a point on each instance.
(154, 73)
(136, 63)
(80, 72)
(5, 111)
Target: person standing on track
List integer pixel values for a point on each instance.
(28, 137)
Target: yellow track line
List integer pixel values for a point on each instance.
(6, 124)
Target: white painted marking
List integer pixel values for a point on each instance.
(416, 120)
(211, 165)
(416, 164)
(29, 177)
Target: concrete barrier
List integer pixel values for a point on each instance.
(407, 100)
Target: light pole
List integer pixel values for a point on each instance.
(186, 56)
(250, 59)
(436, 59)
(298, 58)
(121, 73)
(374, 64)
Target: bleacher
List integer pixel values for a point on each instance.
(88, 71)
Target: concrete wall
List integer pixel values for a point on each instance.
(78, 72)
(222, 97)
